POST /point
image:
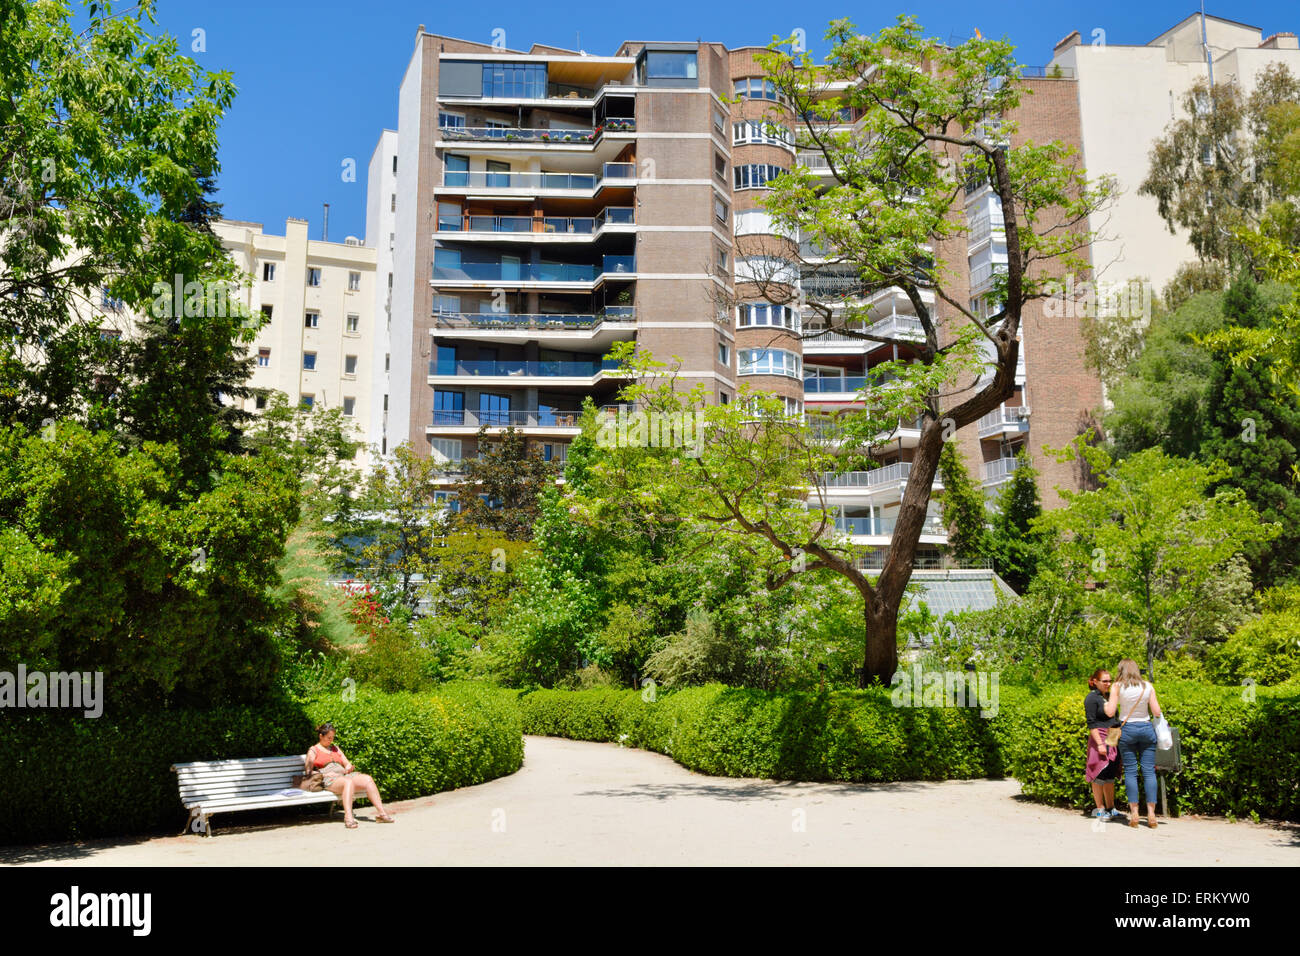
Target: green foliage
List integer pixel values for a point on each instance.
(1238, 752)
(963, 509)
(503, 485)
(1165, 552)
(107, 564)
(412, 746)
(1014, 545)
(735, 732)
(1265, 650)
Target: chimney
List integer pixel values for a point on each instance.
(1070, 39)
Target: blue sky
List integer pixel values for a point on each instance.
(318, 81)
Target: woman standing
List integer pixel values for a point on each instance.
(1103, 762)
(1134, 699)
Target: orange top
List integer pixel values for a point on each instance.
(322, 756)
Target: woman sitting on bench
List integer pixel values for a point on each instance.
(342, 778)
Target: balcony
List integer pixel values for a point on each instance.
(523, 322)
(1004, 420)
(981, 277)
(509, 273)
(838, 385)
(542, 227)
(506, 418)
(831, 287)
(507, 368)
(999, 469)
(982, 228)
(551, 137)
(884, 475)
(611, 174)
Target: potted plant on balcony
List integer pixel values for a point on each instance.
(568, 137)
(545, 137)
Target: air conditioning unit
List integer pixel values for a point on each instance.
(351, 241)
(1023, 414)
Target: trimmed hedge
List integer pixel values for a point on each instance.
(76, 778)
(738, 732)
(1239, 756)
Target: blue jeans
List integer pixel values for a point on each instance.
(1137, 745)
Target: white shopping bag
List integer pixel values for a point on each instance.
(1164, 739)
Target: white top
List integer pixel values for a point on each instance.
(1135, 699)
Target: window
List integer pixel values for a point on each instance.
(349, 406)
(392, 203)
(769, 362)
(724, 398)
(444, 304)
(268, 271)
(312, 320)
(1207, 154)
(109, 335)
(757, 88)
(525, 81)
(309, 361)
(721, 259)
(307, 401)
(767, 314)
(448, 408)
(349, 365)
(724, 354)
(720, 121)
(493, 409)
(758, 131)
(108, 301)
(385, 402)
(260, 402)
(266, 314)
(313, 277)
(387, 361)
(671, 66)
(394, 164)
(445, 450)
(755, 175)
(263, 358)
(720, 210)
(353, 322)
(354, 281)
(720, 166)
(450, 120)
(455, 170)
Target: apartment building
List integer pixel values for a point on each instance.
(320, 339)
(534, 207)
(1127, 96)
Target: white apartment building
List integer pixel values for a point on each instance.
(320, 343)
(1127, 97)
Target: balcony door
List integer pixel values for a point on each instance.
(493, 409)
(510, 271)
(498, 174)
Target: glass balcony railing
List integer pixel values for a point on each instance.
(501, 418)
(479, 179)
(532, 271)
(848, 383)
(503, 367)
(865, 526)
(572, 225)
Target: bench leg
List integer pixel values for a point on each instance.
(189, 823)
(200, 823)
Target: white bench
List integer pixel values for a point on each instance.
(224, 786)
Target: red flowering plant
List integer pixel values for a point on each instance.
(364, 609)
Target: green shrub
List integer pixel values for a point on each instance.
(739, 732)
(72, 778)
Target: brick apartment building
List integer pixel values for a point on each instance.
(534, 207)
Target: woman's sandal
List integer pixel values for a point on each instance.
(351, 824)
(384, 818)
(1133, 822)
(1151, 824)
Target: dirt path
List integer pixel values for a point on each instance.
(585, 803)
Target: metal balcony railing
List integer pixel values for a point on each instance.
(537, 181)
(532, 271)
(884, 475)
(1001, 417)
(495, 134)
(847, 383)
(999, 469)
(538, 320)
(982, 276)
(571, 225)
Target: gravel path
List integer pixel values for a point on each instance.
(585, 803)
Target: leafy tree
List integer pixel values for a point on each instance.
(963, 506)
(502, 486)
(931, 118)
(1164, 554)
(1013, 543)
(1256, 431)
(109, 136)
(106, 565)
(1210, 178)
(1266, 649)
